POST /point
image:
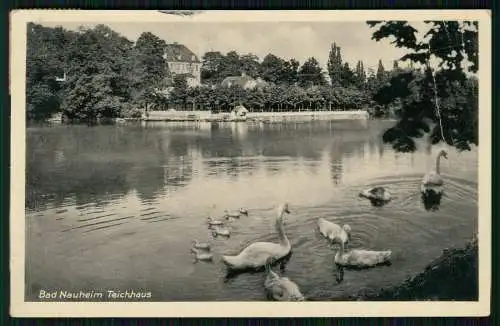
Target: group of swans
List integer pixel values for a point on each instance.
(431, 185)
(354, 258)
(263, 254)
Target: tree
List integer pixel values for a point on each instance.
(250, 64)
(212, 63)
(97, 86)
(381, 71)
(271, 68)
(347, 76)
(310, 73)
(395, 65)
(360, 75)
(45, 61)
(334, 65)
(440, 93)
(149, 67)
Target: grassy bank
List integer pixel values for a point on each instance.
(451, 277)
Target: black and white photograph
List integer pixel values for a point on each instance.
(198, 159)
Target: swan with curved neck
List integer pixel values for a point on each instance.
(257, 254)
(281, 288)
(433, 181)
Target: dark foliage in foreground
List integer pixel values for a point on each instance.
(451, 44)
(453, 276)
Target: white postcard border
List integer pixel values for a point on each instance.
(20, 308)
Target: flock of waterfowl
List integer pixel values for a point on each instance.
(262, 255)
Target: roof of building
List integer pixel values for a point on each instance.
(240, 108)
(236, 80)
(180, 53)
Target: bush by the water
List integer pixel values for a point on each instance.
(451, 277)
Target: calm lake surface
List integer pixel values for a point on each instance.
(117, 207)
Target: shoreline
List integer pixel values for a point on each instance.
(207, 116)
(254, 116)
(439, 281)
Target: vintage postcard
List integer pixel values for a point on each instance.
(229, 163)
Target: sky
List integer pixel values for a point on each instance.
(298, 40)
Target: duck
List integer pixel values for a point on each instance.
(255, 255)
(432, 182)
(202, 255)
(280, 288)
(201, 245)
(378, 196)
(334, 232)
(213, 222)
(216, 231)
(235, 214)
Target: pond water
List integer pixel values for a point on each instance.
(117, 207)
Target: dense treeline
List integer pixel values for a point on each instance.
(96, 73)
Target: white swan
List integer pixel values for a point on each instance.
(281, 288)
(362, 258)
(358, 259)
(201, 245)
(377, 195)
(256, 254)
(432, 181)
(203, 256)
(334, 232)
(216, 231)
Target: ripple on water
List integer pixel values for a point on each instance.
(143, 233)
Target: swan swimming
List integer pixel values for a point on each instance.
(257, 254)
(359, 259)
(378, 196)
(281, 288)
(334, 232)
(432, 183)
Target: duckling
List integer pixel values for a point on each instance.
(203, 256)
(216, 231)
(235, 214)
(212, 222)
(201, 245)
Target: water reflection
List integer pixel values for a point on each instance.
(431, 200)
(96, 164)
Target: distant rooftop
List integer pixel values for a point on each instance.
(180, 53)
